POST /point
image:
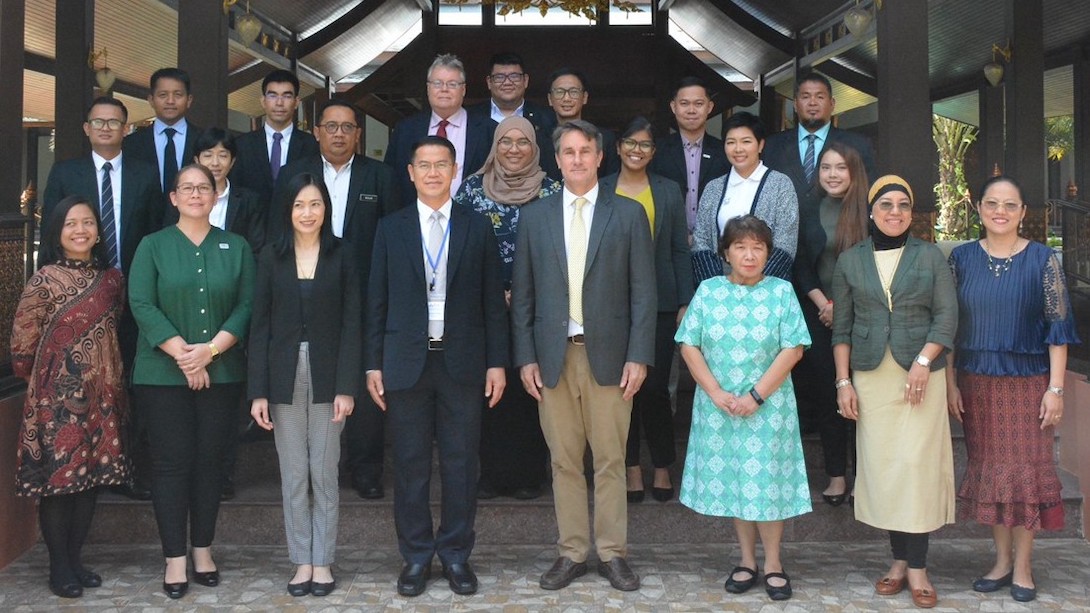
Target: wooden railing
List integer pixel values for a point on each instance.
(1072, 219)
(16, 266)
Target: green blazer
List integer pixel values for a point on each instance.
(925, 305)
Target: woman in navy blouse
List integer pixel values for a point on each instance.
(1007, 384)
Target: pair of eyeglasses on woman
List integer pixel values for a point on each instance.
(631, 144)
(992, 206)
(187, 189)
(510, 143)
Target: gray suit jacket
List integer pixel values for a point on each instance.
(619, 297)
(925, 305)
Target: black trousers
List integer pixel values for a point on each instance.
(136, 434)
(188, 431)
(448, 411)
(365, 440)
(651, 412)
(814, 378)
(513, 450)
(911, 547)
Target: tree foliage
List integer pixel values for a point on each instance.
(956, 219)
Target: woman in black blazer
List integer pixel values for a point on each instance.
(304, 371)
(237, 209)
(662, 201)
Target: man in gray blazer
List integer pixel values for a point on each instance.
(583, 316)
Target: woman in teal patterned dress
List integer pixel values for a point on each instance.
(740, 337)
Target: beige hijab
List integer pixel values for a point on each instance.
(517, 187)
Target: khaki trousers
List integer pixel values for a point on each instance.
(575, 412)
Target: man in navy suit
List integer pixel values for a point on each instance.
(264, 152)
(691, 157)
(362, 190)
(471, 135)
(169, 143)
(435, 350)
(130, 189)
(507, 81)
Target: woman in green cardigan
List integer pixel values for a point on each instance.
(190, 288)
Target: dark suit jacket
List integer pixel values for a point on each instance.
(673, 264)
(141, 145)
(332, 325)
(619, 297)
(541, 117)
(479, 131)
(245, 217)
(781, 153)
(141, 201)
(925, 305)
(475, 329)
(251, 169)
(669, 161)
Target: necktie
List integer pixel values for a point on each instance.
(442, 131)
(577, 261)
(437, 275)
(808, 159)
(170, 161)
(106, 212)
(274, 157)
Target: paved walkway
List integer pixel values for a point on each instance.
(827, 577)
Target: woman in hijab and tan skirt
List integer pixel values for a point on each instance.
(895, 318)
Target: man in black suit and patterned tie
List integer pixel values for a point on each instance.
(435, 352)
(130, 207)
(264, 152)
(169, 143)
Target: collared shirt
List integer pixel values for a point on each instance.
(693, 151)
(437, 293)
(218, 216)
(568, 199)
(286, 133)
(158, 130)
(115, 183)
(337, 181)
(821, 133)
(456, 134)
(498, 115)
(739, 195)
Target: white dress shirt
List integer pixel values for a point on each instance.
(218, 216)
(336, 181)
(115, 183)
(568, 199)
(739, 195)
(498, 115)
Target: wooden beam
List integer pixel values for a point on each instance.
(847, 76)
(341, 25)
(755, 26)
(245, 76)
(47, 65)
(380, 110)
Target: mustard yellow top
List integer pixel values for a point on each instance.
(648, 203)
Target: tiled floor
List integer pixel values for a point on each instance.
(826, 577)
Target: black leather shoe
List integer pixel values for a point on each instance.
(986, 585)
(368, 489)
(69, 589)
(209, 579)
(88, 578)
(175, 591)
(413, 579)
(461, 578)
(781, 592)
(563, 572)
(736, 586)
(299, 589)
(662, 494)
(620, 575)
(322, 589)
(834, 500)
(634, 496)
(1023, 594)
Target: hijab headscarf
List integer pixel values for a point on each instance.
(516, 187)
(883, 185)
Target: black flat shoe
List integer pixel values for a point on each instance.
(986, 585)
(834, 500)
(662, 494)
(740, 587)
(635, 496)
(299, 589)
(782, 592)
(66, 590)
(174, 591)
(413, 579)
(88, 578)
(461, 578)
(322, 589)
(1023, 594)
(209, 579)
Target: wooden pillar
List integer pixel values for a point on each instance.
(202, 52)
(74, 81)
(12, 28)
(1024, 85)
(1081, 78)
(990, 141)
(768, 109)
(904, 106)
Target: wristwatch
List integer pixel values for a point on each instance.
(922, 360)
(1059, 391)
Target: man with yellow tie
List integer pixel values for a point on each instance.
(583, 313)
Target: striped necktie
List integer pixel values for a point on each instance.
(106, 213)
(808, 159)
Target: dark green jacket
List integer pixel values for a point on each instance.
(925, 305)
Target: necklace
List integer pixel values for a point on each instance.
(1004, 265)
(887, 280)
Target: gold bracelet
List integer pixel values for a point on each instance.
(214, 350)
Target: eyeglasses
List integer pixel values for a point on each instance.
(273, 96)
(571, 92)
(426, 167)
(437, 84)
(110, 124)
(887, 206)
(187, 189)
(331, 127)
(508, 143)
(514, 77)
(992, 206)
(630, 144)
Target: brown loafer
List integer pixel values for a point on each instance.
(924, 598)
(620, 575)
(563, 572)
(888, 586)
